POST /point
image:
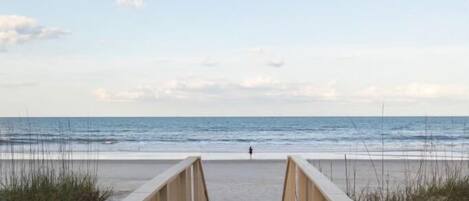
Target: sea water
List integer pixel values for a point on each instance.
(212, 135)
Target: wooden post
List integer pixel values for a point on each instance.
(311, 185)
(156, 198)
(302, 186)
(289, 187)
(200, 191)
(174, 189)
(163, 194)
(316, 194)
(182, 182)
(186, 186)
(310, 189)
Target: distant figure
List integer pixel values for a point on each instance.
(250, 152)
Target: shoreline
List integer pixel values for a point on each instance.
(221, 156)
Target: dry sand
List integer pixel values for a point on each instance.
(257, 180)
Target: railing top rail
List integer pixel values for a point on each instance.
(150, 188)
(329, 190)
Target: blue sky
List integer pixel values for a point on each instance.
(173, 58)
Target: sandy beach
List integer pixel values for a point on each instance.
(256, 180)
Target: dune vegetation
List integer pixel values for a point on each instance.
(43, 169)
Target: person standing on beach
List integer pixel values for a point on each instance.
(250, 152)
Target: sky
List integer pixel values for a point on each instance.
(234, 58)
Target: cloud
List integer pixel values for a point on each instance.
(15, 85)
(130, 3)
(414, 92)
(209, 62)
(276, 63)
(121, 96)
(266, 55)
(261, 89)
(257, 50)
(19, 29)
(196, 89)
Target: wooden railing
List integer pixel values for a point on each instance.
(303, 182)
(185, 182)
(182, 182)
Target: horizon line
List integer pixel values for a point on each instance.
(236, 116)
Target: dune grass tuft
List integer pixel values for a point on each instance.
(44, 169)
(435, 179)
(53, 187)
(449, 189)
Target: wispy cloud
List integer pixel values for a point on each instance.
(195, 89)
(121, 96)
(15, 85)
(414, 92)
(131, 3)
(190, 61)
(20, 29)
(209, 62)
(269, 89)
(257, 50)
(267, 55)
(277, 63)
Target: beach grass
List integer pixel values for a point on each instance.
(448, 189)
(49, 186)
(39, 171)
(436, 178)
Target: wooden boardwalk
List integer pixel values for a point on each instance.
(185, 181)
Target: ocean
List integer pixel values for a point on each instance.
(237, 134)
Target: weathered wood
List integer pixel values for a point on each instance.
(200, 191)
(309, 189)
(317, 194)
(302, 186)
(178, 183)
(204, 183)
(289, 186)
(164, 194)
(187, 184)
(312, 184)
(185, 181)
(174, 188)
